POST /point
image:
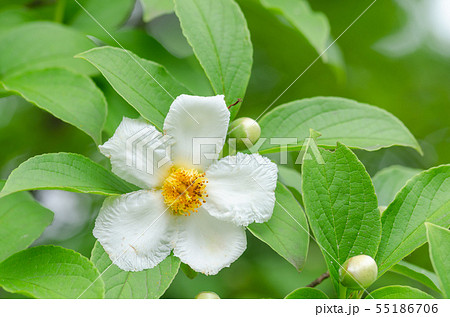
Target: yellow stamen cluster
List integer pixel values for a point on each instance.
(184, 190)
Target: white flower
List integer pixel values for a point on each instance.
(197, 210)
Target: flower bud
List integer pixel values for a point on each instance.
(242, 129)
(207, 295)
(358, 272)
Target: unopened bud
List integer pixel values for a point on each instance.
(358, 272)
(243, 129)
(207, 295)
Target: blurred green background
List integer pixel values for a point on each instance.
(397, 57)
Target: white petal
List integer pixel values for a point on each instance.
(207, 244)
(137, 152)
(203, 119)
(241, 189)
(136, 230)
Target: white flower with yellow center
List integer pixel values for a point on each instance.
(197, 210)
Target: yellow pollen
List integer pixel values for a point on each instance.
(184, 190)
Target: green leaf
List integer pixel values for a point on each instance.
(38, 45)
(293, 181)
(307, 293)
(390, 180)
(290, 177)
(155, 8)
(22, 220)
(66, 171)
(423, 199)
(417, 273)
(341, 206)
(110, 16)
(357, 125)
(398, 292)
(335, 59)
(287, 231)
(313, 25)
(145, 85)
(51, 272)
(13, 16)
(439, 241)
(219, 36)
(71, 97)
(117, 108)
(188, 271)
(147, 284)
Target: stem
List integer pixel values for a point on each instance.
(342, 292)
(319, 280)
(360, 294)
(59, 11)
(234, 104)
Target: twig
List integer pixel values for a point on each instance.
(319, 280)
(234, 104)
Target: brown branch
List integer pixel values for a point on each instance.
(234, 104)
(319, 280)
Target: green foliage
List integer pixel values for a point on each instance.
(22, 221)
(188, 271)
(147, 284)
(417, 273)
(69, 96)
(287, 231)
(341, 206)
(145, 85)
(109, 16)
(355, 124)
(117, 108)
(13, 16)
(390, 180)
(398, 292)
(51, 272)
(56, 47)
(155, 8)
(37, 66)
(313, 25)
(292, 179)
(307, 293)
(423, 199)
(218, 34)
(439, 240)
(66, 171)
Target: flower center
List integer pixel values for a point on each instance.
(184, 190)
